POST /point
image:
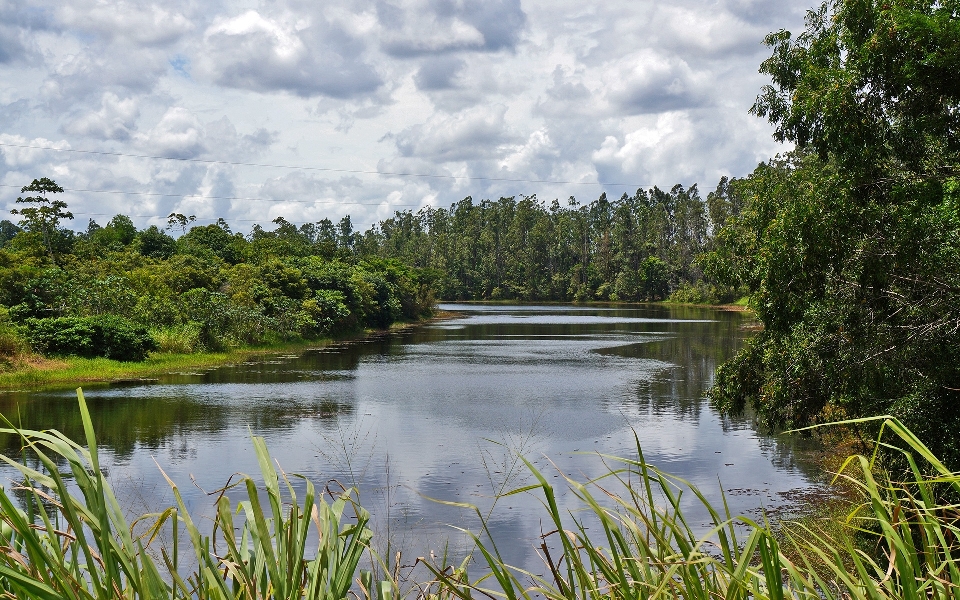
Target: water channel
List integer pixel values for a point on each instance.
(440, 411)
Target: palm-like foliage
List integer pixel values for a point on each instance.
(72, 541)
(633, 541)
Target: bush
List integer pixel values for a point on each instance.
(12, 344)
(109, 336)
(178, 339)
(703, 293)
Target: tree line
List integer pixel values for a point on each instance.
(636, 248)
(121, 292)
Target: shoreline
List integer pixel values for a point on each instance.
(37, 372)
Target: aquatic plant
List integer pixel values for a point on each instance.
(633, 540)
(71, 540)
(64, 535)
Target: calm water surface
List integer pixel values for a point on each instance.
(441, 412)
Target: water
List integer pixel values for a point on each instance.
(441, 411)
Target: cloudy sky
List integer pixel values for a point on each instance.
(307, 109)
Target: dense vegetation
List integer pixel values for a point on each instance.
(118, 292)
(625, 535)
(637, 248)
(850, 245)
(210, 288)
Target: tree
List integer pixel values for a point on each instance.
(7, 231)
(870, 83)
(850, 246)
(179, 220)
(46, 213)
(155, 243)
(118, 232)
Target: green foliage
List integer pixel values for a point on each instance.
(119, 232)
(12, 343)
(635, 248)
(869, 83)
(153, 243)
(629, 536)
(83, 547)
(327, 311)
(179, 339)
(42, 218)
(213, 239)
(703, 293)
(850, 246)
(7, 231)
(109, 336)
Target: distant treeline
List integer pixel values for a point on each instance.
(189, 287)
(636, 248)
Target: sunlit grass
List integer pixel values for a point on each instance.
(72, 370)
(29, 370)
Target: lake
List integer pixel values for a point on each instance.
(441, 411)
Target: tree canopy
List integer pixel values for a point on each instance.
(850, 245)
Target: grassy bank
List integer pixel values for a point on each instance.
(39, 371)
(34, 371)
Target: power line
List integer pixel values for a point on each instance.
(203, 197)
(322, 169)
(211, 219)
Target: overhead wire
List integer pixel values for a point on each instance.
(270, 165)
(321, 169)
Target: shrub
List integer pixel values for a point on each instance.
(178, 339)
(703, 293)
(12, 344)
(328, 313)
(109, 336)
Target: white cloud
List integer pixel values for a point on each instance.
(537, 154)
(77, 77)
(468, 92)
(148, 25)
(255, 52)
(115, 120)
(649, 82)
(419, 27)
(476, 133)
(179, 134)
(20, 152)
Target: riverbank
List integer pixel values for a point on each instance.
(34, 371)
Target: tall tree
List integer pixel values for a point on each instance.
(45, 213)
(850, 246)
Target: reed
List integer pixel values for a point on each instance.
(72, 541)
(63, 535)
(633, 541)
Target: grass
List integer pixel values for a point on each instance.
(77, 544)
(630, 537)
(39, 372)
(631, 540)
(34, 371)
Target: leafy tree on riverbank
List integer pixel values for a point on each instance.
(850, 246)
(207, 290)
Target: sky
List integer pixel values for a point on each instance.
(307, 109)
